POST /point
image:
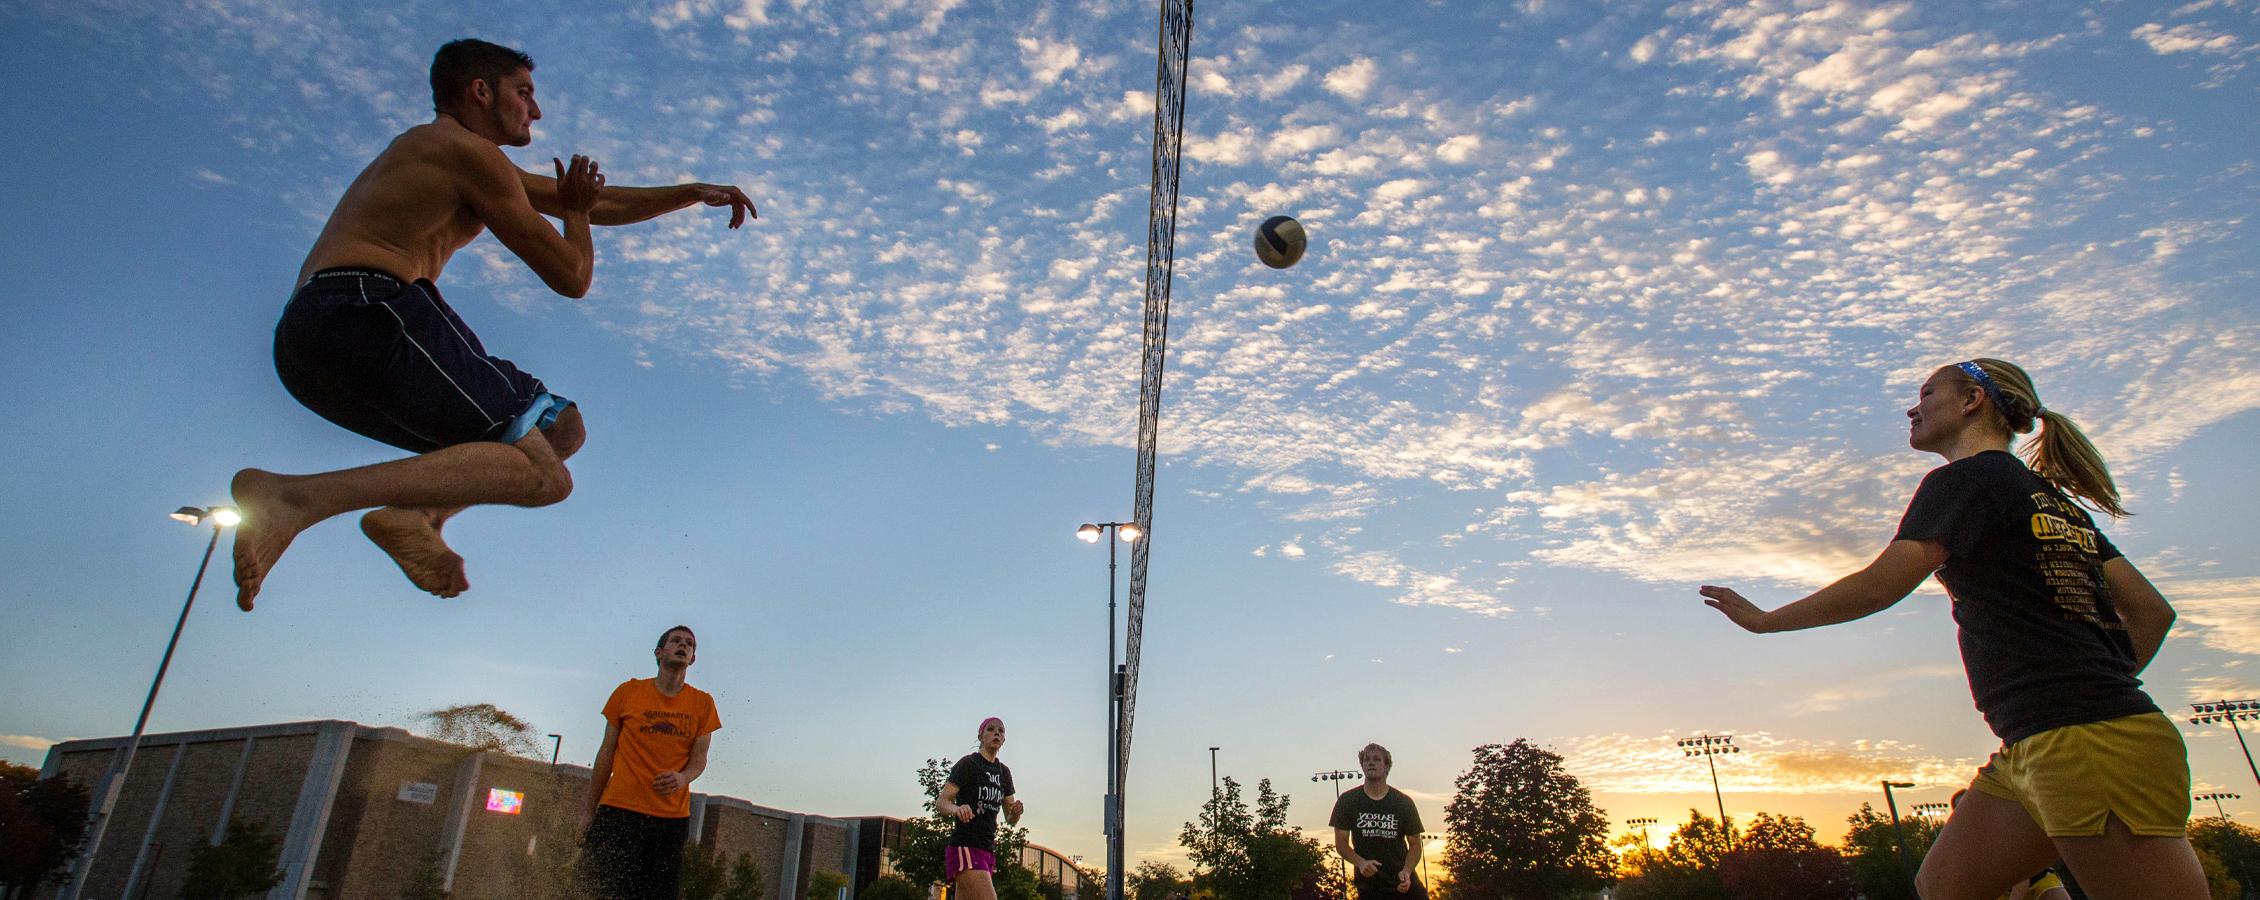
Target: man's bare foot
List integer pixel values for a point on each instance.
(408, 537)
(270, 523)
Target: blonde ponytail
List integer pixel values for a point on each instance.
(2059, 453)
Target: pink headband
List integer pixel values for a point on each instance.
(985, 723)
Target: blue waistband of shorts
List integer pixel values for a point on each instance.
(542, 413)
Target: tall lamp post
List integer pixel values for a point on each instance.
(2217, 797)
(1212, 770)
(1338, 776)
(1906, 863)
(2230, 711)
(556, 744)
(1642, 823)
(1111, 806)
(1424, 854)
(1708, 746)
(105, 800)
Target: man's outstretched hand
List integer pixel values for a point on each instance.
(578, 186)
(741, 208)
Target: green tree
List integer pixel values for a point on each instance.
(1635, 855)
(703, 873)
(2218, 884)
(1155, 881)
(1687, 868)
(919, 858)
(746, 881)
(1872, 851)
(2236, 847)
(1014, 881)
(1777, 859)
(241, 864)
(1244, 854)
(1524, 828)
(826, 885)
(428, 881)
(891, 887)
(483, 727)
(42, 823)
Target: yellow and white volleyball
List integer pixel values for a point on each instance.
(1280, 241)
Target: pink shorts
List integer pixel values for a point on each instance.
(959, 860)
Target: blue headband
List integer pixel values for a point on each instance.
(1992, 391)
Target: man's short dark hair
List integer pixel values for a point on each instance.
(460, 62)
(686, 629)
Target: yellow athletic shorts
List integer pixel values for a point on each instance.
(2071, 779)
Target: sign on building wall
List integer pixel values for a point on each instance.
(509, 803)
(419, 792)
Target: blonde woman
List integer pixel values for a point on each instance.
(2054, 625)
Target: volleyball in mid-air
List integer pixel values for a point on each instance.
(1280, 241)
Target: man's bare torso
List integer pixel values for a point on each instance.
(406, 214)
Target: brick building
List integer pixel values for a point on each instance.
(361, 809)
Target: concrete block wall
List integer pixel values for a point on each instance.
(333, 791)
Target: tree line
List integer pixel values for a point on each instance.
(1521, 827)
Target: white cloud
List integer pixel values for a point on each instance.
(1458, 148)
(1047, 61)
(2185, 39)
(1768, 764)
(2225, 612)
(1353, 80)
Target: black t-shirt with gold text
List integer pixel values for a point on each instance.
(2041, 642)
(1378, 828)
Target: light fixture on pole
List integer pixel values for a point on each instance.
(1212, 770)
(1642, 823)
(1111, 807)
(1338, 776)
(2217, 797)
(1906, 862)
(1425, 838)
(1933, 809)
(105, 798)
(1708, 746)
(2230, 711)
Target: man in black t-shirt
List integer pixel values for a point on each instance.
(1377, 828)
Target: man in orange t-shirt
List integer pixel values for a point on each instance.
(655, 736)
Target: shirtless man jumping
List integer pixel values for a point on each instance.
(368, 344)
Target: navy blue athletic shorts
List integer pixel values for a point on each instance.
(388, 360)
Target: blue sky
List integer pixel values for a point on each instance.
(1600, 305)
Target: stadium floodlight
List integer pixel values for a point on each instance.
(2232, 712)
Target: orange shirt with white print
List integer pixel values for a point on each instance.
(656, 734)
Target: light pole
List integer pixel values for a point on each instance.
(2230, 711)
(1111, 806)
(556, 743)
(1642, 823)
(106, 798)
(1906, 863)
(1424, 839)
(1708, 746)
(2217, 797)
(1933, 809)
(1338, 776)
(1212, 770)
